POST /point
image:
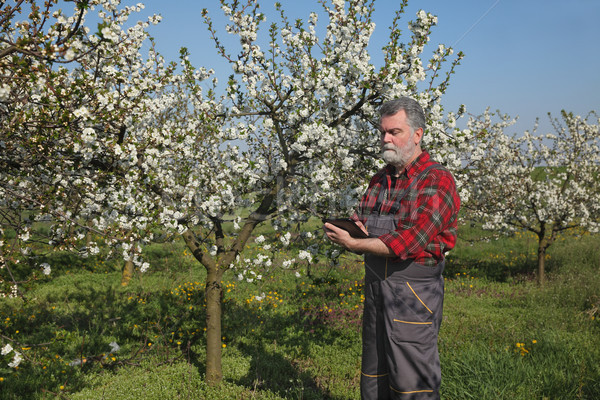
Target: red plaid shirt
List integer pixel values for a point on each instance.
(427, 213)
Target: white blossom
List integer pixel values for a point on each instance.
(114, 347)
(4, 92)
(16, 360)
(305, 255)
(46, 268)
(6, 349)
(25, 235)
(145, 266)
(285, 238)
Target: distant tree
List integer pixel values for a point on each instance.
(545, 184)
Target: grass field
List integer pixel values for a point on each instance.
(284, 337)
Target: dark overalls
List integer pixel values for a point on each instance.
(401, 320)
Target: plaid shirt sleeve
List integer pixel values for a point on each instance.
(427, 228)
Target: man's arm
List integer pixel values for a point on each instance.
(369, 245)
(437, 205)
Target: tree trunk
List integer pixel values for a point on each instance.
(127, 273)
(541, 267)
(214, 296)
(542, 246)
(128, 267)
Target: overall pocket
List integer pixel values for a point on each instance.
(410, 314)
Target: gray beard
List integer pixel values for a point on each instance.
(396, 156)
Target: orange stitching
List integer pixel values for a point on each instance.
(413, 391)
(431, 312)
(414, 323)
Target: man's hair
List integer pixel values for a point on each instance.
(414, 112)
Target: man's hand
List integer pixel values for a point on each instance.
(338, 235)
(369, 245)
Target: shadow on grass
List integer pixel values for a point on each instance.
(64, 332)
(495, 270)
(274, 369)
(68, 325)
(281, 345)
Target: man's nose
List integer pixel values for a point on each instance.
(386, 137)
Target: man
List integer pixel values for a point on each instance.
(410, 214)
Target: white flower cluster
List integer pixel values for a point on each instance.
(14, 291)
(249, 276)
(46, 269)
(305, 255)
(17, 358)
(4, 92)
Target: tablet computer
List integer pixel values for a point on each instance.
(348, 225)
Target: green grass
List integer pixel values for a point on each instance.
(502, 337)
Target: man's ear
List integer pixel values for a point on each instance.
(418, 135)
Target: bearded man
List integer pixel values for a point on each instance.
(409, 212)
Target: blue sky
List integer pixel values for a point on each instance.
(523, 57)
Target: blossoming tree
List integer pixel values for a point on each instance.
(67, 97)
(119, 143)
(300, 133)
(545, 184)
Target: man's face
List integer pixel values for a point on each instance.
(399, 144)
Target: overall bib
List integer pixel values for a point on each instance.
(401, 321)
